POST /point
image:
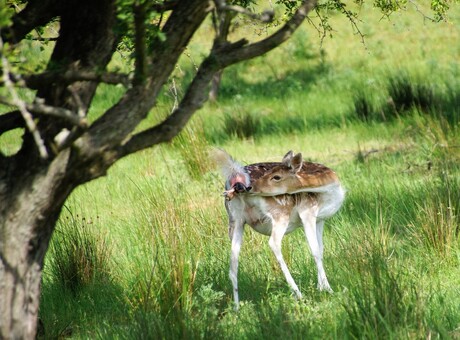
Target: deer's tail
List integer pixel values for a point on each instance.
(232, 171)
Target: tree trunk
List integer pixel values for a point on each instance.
(27, 219)
(33, 191)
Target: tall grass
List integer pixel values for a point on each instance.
(436, 228)
(193, 149)
(402, 94)
(241, 125)
(383, 300)
(80, 257)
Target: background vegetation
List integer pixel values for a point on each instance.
(144, 252)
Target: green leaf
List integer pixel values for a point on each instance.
(6, 13)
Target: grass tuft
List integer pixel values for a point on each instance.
(382, 299)
(363, 106)
(80, 258)
(437, 226)
(241, 124)
(406, 94)
(194, 148)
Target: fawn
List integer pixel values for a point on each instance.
(275, 199)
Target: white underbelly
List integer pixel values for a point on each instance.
(265, 227)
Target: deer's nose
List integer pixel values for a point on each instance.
(239, 187)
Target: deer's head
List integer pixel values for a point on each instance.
(281, 179)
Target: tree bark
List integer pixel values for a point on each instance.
(27, 220)
(222, 25)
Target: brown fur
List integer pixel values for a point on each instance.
(310, 175)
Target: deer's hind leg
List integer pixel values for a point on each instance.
(314, 234)
(278, 230)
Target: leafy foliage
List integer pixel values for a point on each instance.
(6, 13)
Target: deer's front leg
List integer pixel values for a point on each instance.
(278, 230)
(237, 240)
(235, 232)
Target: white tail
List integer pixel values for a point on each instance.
(275, 199)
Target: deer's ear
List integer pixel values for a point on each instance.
(296, 162)
(288, 158)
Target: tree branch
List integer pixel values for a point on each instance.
(59, 112)
(139, 42)
(265, 16)
(42, 109)
(31, 126)
(193, 99)
(232, 53)
(36, 81)
(220, 57)
(117, 123)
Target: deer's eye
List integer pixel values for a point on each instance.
(276, 178)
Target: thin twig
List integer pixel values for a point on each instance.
(81, 112)
(65, 138)
(425, 17)
(173, 89)
(34, 81)
(189, 55)
(322, 29)
(21, 105)
(352, 18)
(42, 39)
(39, 107)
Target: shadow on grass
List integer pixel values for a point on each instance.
(295, 81)
(66, 314)
(249, 124)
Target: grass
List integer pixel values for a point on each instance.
(392, 253)
(144, 252)
(80, 258)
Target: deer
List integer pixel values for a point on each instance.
(276, 198)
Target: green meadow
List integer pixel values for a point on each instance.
(144, 253)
